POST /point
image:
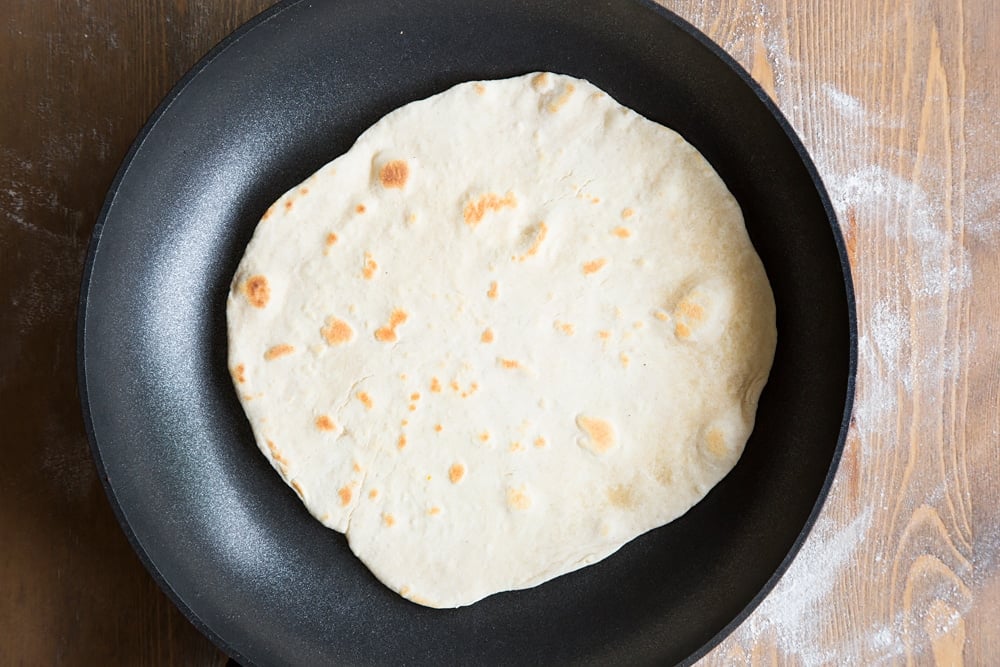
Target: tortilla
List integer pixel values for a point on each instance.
(514, 327)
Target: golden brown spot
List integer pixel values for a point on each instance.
(435, 385)
(621, 232)
(595, 200)
(472, 390)
(509, 363)
(373, 494)
(434, 511)
(401, 443)
(539, 441)
(624, 359)
(638, 324)
(627, 213)
(275, 454)
(268, 213)
(454, 385)
(681, 330)
(303, 191)
(412, 407)
(621, 496)
(298, 488)
(345, 496)
(366, 400)
(487, 336)
(257, 291)
(278, 351)
(394, 174)
(438, 428)
(360, 208)
(600, 435)
(494, 291)
(692, 311)
(415, 396)
(336, 331)
(404, 422)
(518, 499)
(660, 315)
(484, 436)
(331, 240)
(540, 234)
(516, 447)
(389, 520)
(474, 211)
(594, 266)
(356, 467)
(558, 103)
(387, 334)
(604, 334)
(402, 376)
(565, 327)
(479, 88)
(539, 80)
(716, 443)
(289, 204)
(239, 373)
(324, 423)
(370, 267)
(456, 472)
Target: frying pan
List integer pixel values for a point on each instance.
(291, 90)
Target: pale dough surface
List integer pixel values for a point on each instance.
(514, 327)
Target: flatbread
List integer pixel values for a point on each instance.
(514, 327)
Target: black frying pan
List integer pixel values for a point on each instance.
(290, 91)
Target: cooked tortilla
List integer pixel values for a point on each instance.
(514, 327)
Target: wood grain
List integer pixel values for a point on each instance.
(895, 100)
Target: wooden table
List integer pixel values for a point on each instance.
(897, 102)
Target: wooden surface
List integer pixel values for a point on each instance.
(896, 101)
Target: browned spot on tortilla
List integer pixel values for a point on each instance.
(638, 324)
(627, 213)
(473, 388)
(435, 385)
(595, 200)
(303, 191)
(324, 423)
(389, 520)
(456, 472)
(479, 88)
(518, 499)
(509, 363)
(621, 232)
(604, 334)
(516, 447)
(275, 454)
(404, 422)
(278, 351)
(331, 240)
(356, 467)
(365, 399)
(394, 174)
(412, 407)
(660, 315)
(624, 359)
(336, 331)
(370, 267)
(415, 396)
(298, 488)
(541, 232)
(373, 494)
(690, 310)
(565, 327)
(454, 385)
(494, 290)
(438, 428)
(247, 397)
(257, 291)
(345, 496)
(401, 443)
(600, 435)
(360, 208)
(487, 336)
(681, 330)
(539, 80)
(402, 376)
(539, 441)
(474, 211)
(621, 496)
(434, 511)
(289, 204)
(239, 373)
(558, 103)
(716, 443)
(268, 213)
(387, 334)
(484, 436)
(594, 266)
(851, 234)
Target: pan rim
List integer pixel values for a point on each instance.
(269, 14)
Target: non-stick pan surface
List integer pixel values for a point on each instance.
(292, 90)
